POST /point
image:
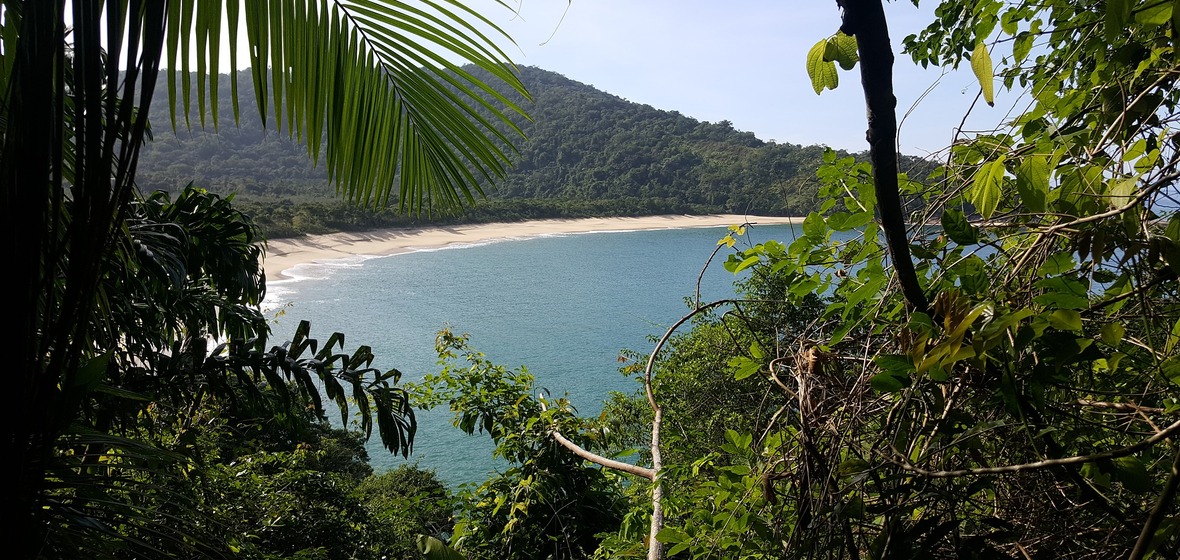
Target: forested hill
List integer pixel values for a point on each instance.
(588, 153)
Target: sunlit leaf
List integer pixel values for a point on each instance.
(842, 50)
(986, 189)
(981, 64)
(1032, 182)
(822, 73)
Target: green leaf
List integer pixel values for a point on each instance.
(1032, 183)
(842, 49)
(981, 64)
(1112, 333)
(433, 549)
(898, 364)
(887, 382)
(1170, 368)
(986, 189)
(90, 373)
(1154, 14)
(1117, 15)
(958, 228)
(823, 73)
(1132, 473)
(746, 263)
(1122, 191)
(1066, 320)
(1021, 46)
(1056, 264)
(853, 466)
(380, 82)
(672, 535)
(743, 367)
(1175, 20)
(814, 226)
(1062, 293)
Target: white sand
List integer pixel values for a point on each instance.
(284, 254)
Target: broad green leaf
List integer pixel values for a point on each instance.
(853, 466)
(671, 535)
(842, 50)
(1132, 473)
(1173, 337)
(433, 549)
(1173, 229)
(90, 373)
(1154, 13)
(1032, 182)
(814, 226)
(986, 189)
(1066, 320)
(746, 263)
(844, 221)
(1122, 191)
(1175, 20)
(999, 325)
(1062, 293)
(921, 324)
(1021, 46)
(1117, 15)
(958, 228)
(822, 73)
(981, 64)
(1010, 21)
(888, 382)
(897, 364)
(1112, 333)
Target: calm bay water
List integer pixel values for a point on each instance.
(562, 305)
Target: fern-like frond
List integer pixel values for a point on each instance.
(374, 80)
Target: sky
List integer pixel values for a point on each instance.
(741, 61)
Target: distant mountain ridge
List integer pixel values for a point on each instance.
(588, 152)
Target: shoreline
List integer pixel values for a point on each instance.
(287, 253)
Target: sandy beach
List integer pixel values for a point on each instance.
(284, 254)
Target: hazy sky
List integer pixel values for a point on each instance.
(741, 61)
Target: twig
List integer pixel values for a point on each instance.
(1166, 500)
(1168, 432)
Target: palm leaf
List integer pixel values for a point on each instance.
(376, 81)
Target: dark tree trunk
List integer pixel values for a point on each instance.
(865, 20)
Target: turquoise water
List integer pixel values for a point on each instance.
(562, 305)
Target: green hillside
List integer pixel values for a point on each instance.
(588, 153)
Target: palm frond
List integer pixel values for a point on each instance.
(374, 80)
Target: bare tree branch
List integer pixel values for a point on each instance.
(1166, 433)
(599, 459)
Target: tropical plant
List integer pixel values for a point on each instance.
(359, 77)
(547, 503)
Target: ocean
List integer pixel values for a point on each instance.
(562, 305)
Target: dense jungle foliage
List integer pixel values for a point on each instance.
(982, 364)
